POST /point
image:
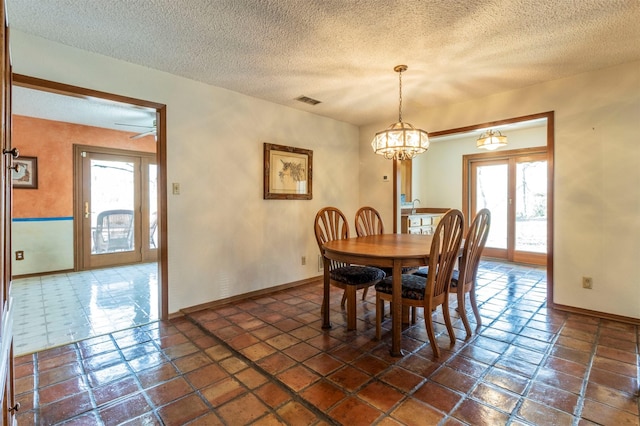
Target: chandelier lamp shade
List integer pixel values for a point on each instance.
(491, 140)
(400, 141)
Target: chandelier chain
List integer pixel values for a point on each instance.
(400, 103)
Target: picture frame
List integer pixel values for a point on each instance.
(26, 174)
(288, 172)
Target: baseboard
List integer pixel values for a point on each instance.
(602, 315)
(256, 293)
(41, 274)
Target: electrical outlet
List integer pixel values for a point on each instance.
(19, 255)
(320, 264)
(304, 260)
(587, 282)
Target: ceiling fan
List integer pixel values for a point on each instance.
(152, 130)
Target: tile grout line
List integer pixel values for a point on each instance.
(585, 381)
(315, 410)
(525, 392)
(477, 380)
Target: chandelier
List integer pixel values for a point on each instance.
(491, 140)
(400, 141)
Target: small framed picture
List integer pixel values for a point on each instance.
(25, 173)
(287, 172)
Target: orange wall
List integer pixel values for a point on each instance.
(52, 143)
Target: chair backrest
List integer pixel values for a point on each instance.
(445, 248)
(330, 224)
(116, 227)
(474, 243)
(368, 222)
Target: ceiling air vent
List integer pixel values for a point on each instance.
(307, 100)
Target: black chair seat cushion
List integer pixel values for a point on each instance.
(424, 271)
(413, 286)
(357, 275)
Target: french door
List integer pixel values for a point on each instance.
(116, 206)
(513, 186)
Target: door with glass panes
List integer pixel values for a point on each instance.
(116, 205)
(514, 188)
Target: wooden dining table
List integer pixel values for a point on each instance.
(385, 250)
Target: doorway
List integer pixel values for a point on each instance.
(116, 206)
(155, 234)
(441, 171)
(513, 186)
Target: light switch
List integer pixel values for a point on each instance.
(176, 188)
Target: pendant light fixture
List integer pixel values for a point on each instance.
(491, 140)
(400, 141)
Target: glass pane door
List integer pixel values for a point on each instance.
(111, 226)
(153, 206)
(112, 206)
(514, 189)
(531, 206)
(492, 192)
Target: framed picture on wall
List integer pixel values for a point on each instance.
(25, 173)
(287, 172)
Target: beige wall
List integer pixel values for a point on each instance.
(597, 200)
(224, 239)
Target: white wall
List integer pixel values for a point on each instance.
(47, 245)
(224, 239)
(443, 163)
(597, 200)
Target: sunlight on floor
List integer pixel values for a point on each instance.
(54, 310)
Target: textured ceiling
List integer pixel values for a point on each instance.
(342, 52)
(90, 112)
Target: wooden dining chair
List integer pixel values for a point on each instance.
(431, 291)
(463, 280)
(467, 271)
(368, 222)
(330, 224)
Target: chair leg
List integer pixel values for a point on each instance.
(447, 321)
(462, 311)
(428, 322)
(364, 293)
(474, 306)
(344, 299)
(379, 315)
(351, 307)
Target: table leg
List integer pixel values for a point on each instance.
(326, 323)
(396, 302)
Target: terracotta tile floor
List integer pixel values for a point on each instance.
(266, 361)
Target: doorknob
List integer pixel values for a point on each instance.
(15, 167)
(16, 407)
(14, 152)
(86, 210)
